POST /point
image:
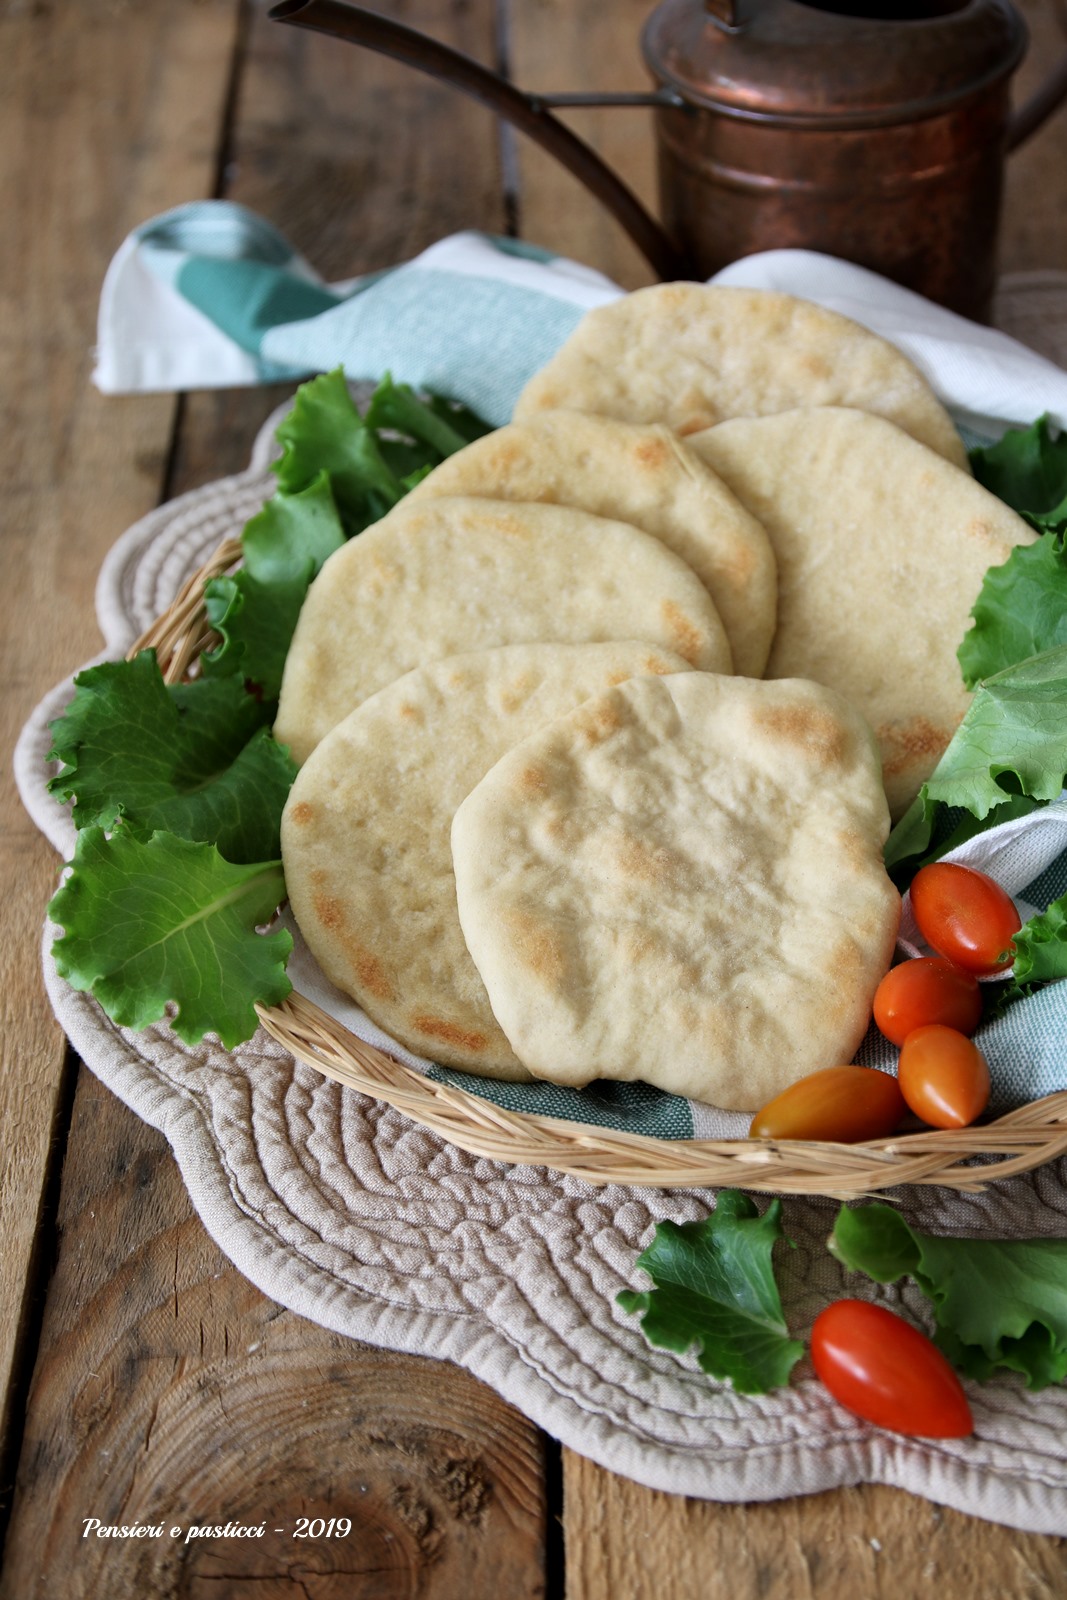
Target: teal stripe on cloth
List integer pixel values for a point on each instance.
(247, 298)
(630, 1107)
(401, 329)
(217, 228)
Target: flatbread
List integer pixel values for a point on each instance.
(644, 476)
(691, 355)
(447, 575)
(365, 834)
(882, 547)
(682, 882)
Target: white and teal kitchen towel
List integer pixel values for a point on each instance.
(210, 295)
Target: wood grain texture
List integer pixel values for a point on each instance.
(1034, 226)
(107, 113)
(869, 1542)
(568, 45)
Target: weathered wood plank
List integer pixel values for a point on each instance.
(1034, 228)
(874, 1542)
(567, 45)
(106, 114)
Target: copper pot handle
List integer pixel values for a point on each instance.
(528, 113)
(1040, 106)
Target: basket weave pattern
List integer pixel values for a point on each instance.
(1023, 1139)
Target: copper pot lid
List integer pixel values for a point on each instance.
(797, 62)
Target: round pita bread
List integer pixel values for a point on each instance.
(644, 476)
(682, 882)
(882, 547)
(365, 834)
(691, 355)
(446, 575)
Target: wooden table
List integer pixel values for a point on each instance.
(141, 1375)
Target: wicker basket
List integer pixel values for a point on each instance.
(1023, 1139)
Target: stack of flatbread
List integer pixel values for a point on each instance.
(602, 727)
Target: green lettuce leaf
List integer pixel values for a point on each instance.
(1020, 611)
(325, 433)
(294, 534)
(153, 921)
(1041, 946)
(998, 1303)
(396, 406)
(715, 1289)
(255, 622)
(192, 759)
(1012, 741)
(1027, 469)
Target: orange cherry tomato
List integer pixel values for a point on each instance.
(888, 1372)
(845, 1105)
(928, 989)
(943, 1076)
(964, 915)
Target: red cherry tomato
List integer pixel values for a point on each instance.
(964, 915)
(842, 1104)
(887, 1372)
(943, 1076)
(929, 989)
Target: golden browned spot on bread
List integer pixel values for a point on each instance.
(511, 527)
(302, 812)
(538, 945)
(687, 637)
(599, 721)
(816, 366)
(662, 669)
(366, 966)
(637, 858)
(652, 453)
(905, 744)
(532, 780)
(381, 574)
(448, 1032)
(319, 876)
(506, 454)
(737, 565)
(409, 712)
(808, 727)
(982, 530)
(518, 691)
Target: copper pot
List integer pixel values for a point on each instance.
(876, 132)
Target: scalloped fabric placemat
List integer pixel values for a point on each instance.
(349, 1214)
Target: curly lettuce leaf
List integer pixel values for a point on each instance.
(1027, 469)
(294, 534)
(1020, 612)
(324, 432)
(192, 759)
(396, 406)
(255, 622)
(1012, 742)
(714, 1288)
(1041, 946)
(997, 1302)
(158, 921)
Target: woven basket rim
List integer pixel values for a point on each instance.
(1020, 1140)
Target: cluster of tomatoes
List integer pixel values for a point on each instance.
(930, 1007)
(871, 1360)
